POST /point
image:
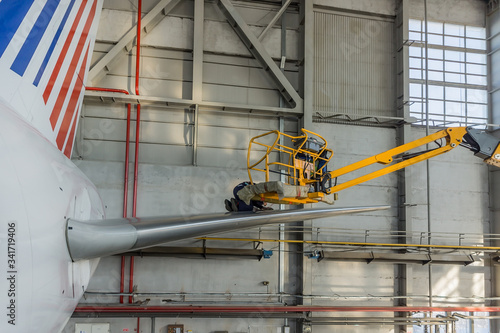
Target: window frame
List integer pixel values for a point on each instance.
(454, 68)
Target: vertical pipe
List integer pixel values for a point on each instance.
(427, 133)
(195, 135)
(199, 20)
(427, 129)
(131, 280)
(281, 257)
(127, 157)
(125, 181)
(137, 127)
(307, 16)
(138, 118)
(122, 279)
(138, 324)
(138, 55)
(136, 161)
(125, 197)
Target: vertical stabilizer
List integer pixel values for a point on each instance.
(45, 50)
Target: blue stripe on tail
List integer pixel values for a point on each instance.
(53, 44)
(12, 13)
(31, 43)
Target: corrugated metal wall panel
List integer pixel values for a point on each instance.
(353, 65)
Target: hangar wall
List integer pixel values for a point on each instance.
(183, 173)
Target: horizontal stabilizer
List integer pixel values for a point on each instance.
(93, 239)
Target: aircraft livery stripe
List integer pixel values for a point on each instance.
(72, 105)
(53, 44)
(12, 14)
(62, 56)
(69, 144)
(72, 68)
(31, 43)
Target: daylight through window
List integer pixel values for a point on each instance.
(457, 74)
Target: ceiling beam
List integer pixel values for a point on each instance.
(110, 97)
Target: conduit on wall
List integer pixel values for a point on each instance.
(137, 127)
(125, 181)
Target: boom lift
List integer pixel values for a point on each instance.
(302, 163)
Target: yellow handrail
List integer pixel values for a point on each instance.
(299, 152)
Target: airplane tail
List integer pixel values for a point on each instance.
(45, 51)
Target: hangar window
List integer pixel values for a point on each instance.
(457, 74)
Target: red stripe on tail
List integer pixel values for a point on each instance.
(69, 144)
(62, 56)
(72, 105)
(72, 68)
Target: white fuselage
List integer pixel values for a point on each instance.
(40, 189)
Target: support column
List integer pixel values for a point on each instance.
(281, 259)
(307, 73)
(199, 20)
(404, 273)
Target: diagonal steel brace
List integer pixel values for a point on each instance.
(256, 48)
(149, 21)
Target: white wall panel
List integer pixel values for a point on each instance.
(466, 12)
(242, 121)
(235, 95)
(121, 22)
(180, 34)
(166, 135)
(495, 67)
(459, 193)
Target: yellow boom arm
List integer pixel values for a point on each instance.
(453, 138)
(304, 162)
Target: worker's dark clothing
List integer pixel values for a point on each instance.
(242, 206)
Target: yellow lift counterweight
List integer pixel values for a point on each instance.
(303, 160)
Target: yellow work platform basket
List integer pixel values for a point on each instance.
(294, 167)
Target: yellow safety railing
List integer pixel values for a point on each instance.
(303, 162)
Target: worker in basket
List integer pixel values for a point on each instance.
(237, 205)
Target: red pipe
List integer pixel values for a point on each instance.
(131, 281)
(276, 309)
(137, 128)
(123, 91)
(125, 181)
(137, 58)
(136, 161)
(138, 118)
(122, 279)
(138, 324)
